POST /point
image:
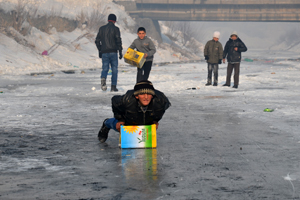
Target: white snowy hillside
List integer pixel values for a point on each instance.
(21, 50)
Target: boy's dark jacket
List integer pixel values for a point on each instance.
(126, 108)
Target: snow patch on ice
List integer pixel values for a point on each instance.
(9, 164)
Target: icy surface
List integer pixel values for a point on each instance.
(213, 142)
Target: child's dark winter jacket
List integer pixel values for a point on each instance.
(126, 108)
(232, 55)
(214, 51)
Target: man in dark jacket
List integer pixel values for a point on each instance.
(233, 48)
(213, 53)
(142, 106)
(108, 42)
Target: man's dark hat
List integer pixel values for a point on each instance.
(112, 17)
(143, 87)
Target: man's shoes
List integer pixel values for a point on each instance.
(226, 85)
(103, 84)
(235, 86)
(114, 88)
(103, 133)
(207, 84)
(215, 84)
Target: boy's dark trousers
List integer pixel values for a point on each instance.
(230, 67)
(212, 68)
(143, 73)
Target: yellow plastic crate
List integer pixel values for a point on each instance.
(134, 58)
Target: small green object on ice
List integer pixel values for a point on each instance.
(248, 60)
(268, 110)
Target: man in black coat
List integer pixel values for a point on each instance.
(108, 42)
(142, 106)
(233, 48)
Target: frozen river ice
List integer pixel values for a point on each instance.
(213, 142)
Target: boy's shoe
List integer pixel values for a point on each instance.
(226, 85)
(103, 84)
(103, 133)
(114, 88)
(235, 86)
(207, 84)
(215, 84)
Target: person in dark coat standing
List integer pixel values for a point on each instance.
(142, 106)
(108, 42)
(233, 51)
(213, 53)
